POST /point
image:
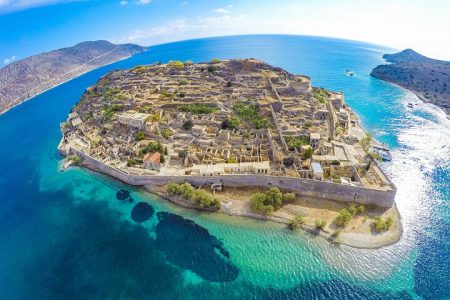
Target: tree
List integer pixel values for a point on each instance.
(182, 154)
(172, 188)
(288, 161)
(188, 125)
(274, 197)
(288, 197)
(308, 153)
(139, 135)
(186, 190)
(257, 203)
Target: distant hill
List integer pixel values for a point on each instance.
(25, 78)
(428, 78)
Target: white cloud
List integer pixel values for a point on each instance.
(369, 22)
(181, 29)
(135, 2)
(14, 5)
(9, 59)
(221, 10)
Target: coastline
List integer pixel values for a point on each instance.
(416, 93)
(350, 239)
(365, 240)
(58, 84)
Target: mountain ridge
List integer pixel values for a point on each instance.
(428, 78)
(23, 79)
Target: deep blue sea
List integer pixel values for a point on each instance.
(66, 235)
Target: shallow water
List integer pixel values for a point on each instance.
(65, 235)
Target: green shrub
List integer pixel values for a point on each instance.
(176, 64)
(109, 111)
(166, 133)
(320, 224)
(251, 114)
(75, 158)
(297, 222)
(215, 61)
(205, 200)
(139, 135)
(197, 108)
(270, 201)
(154, 147)
(199, 197)
(288, 197)
(295, 142)
(186, 191)
(182, 154)
(336, 233)
(288, 161)
(231, 123)
(360, 209)
(381, 225)
(320, 94)
(257, 203)
(308, 153)
(344, 217)
(172, 188)
(131, 162)
(212, 69)
(188, 125)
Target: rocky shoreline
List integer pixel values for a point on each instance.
(427, 78)
(355, 240)
(29, 77)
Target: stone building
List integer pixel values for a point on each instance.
(152, 161)
(133, 119)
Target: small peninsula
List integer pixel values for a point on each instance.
(241, 137)
(428, 78)
(31, 76)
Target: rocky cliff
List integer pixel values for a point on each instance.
(428, 78)
(25, 78)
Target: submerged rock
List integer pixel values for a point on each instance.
(123, 195)
(142, 212)
(191, 246)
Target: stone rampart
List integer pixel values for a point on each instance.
(306, 187)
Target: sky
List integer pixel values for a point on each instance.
(29, 27)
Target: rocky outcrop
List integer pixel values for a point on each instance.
(428, 78)
(28, 77)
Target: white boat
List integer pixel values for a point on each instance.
(349, 72)
(383, 151)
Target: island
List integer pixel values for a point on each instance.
(26, 78)
(428, 78)
(238, 136)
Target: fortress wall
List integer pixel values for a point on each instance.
(306, 187)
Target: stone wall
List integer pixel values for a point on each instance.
(306, 187)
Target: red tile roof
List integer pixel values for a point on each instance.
(154, 157)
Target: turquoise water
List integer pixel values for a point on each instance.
(67, 236)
